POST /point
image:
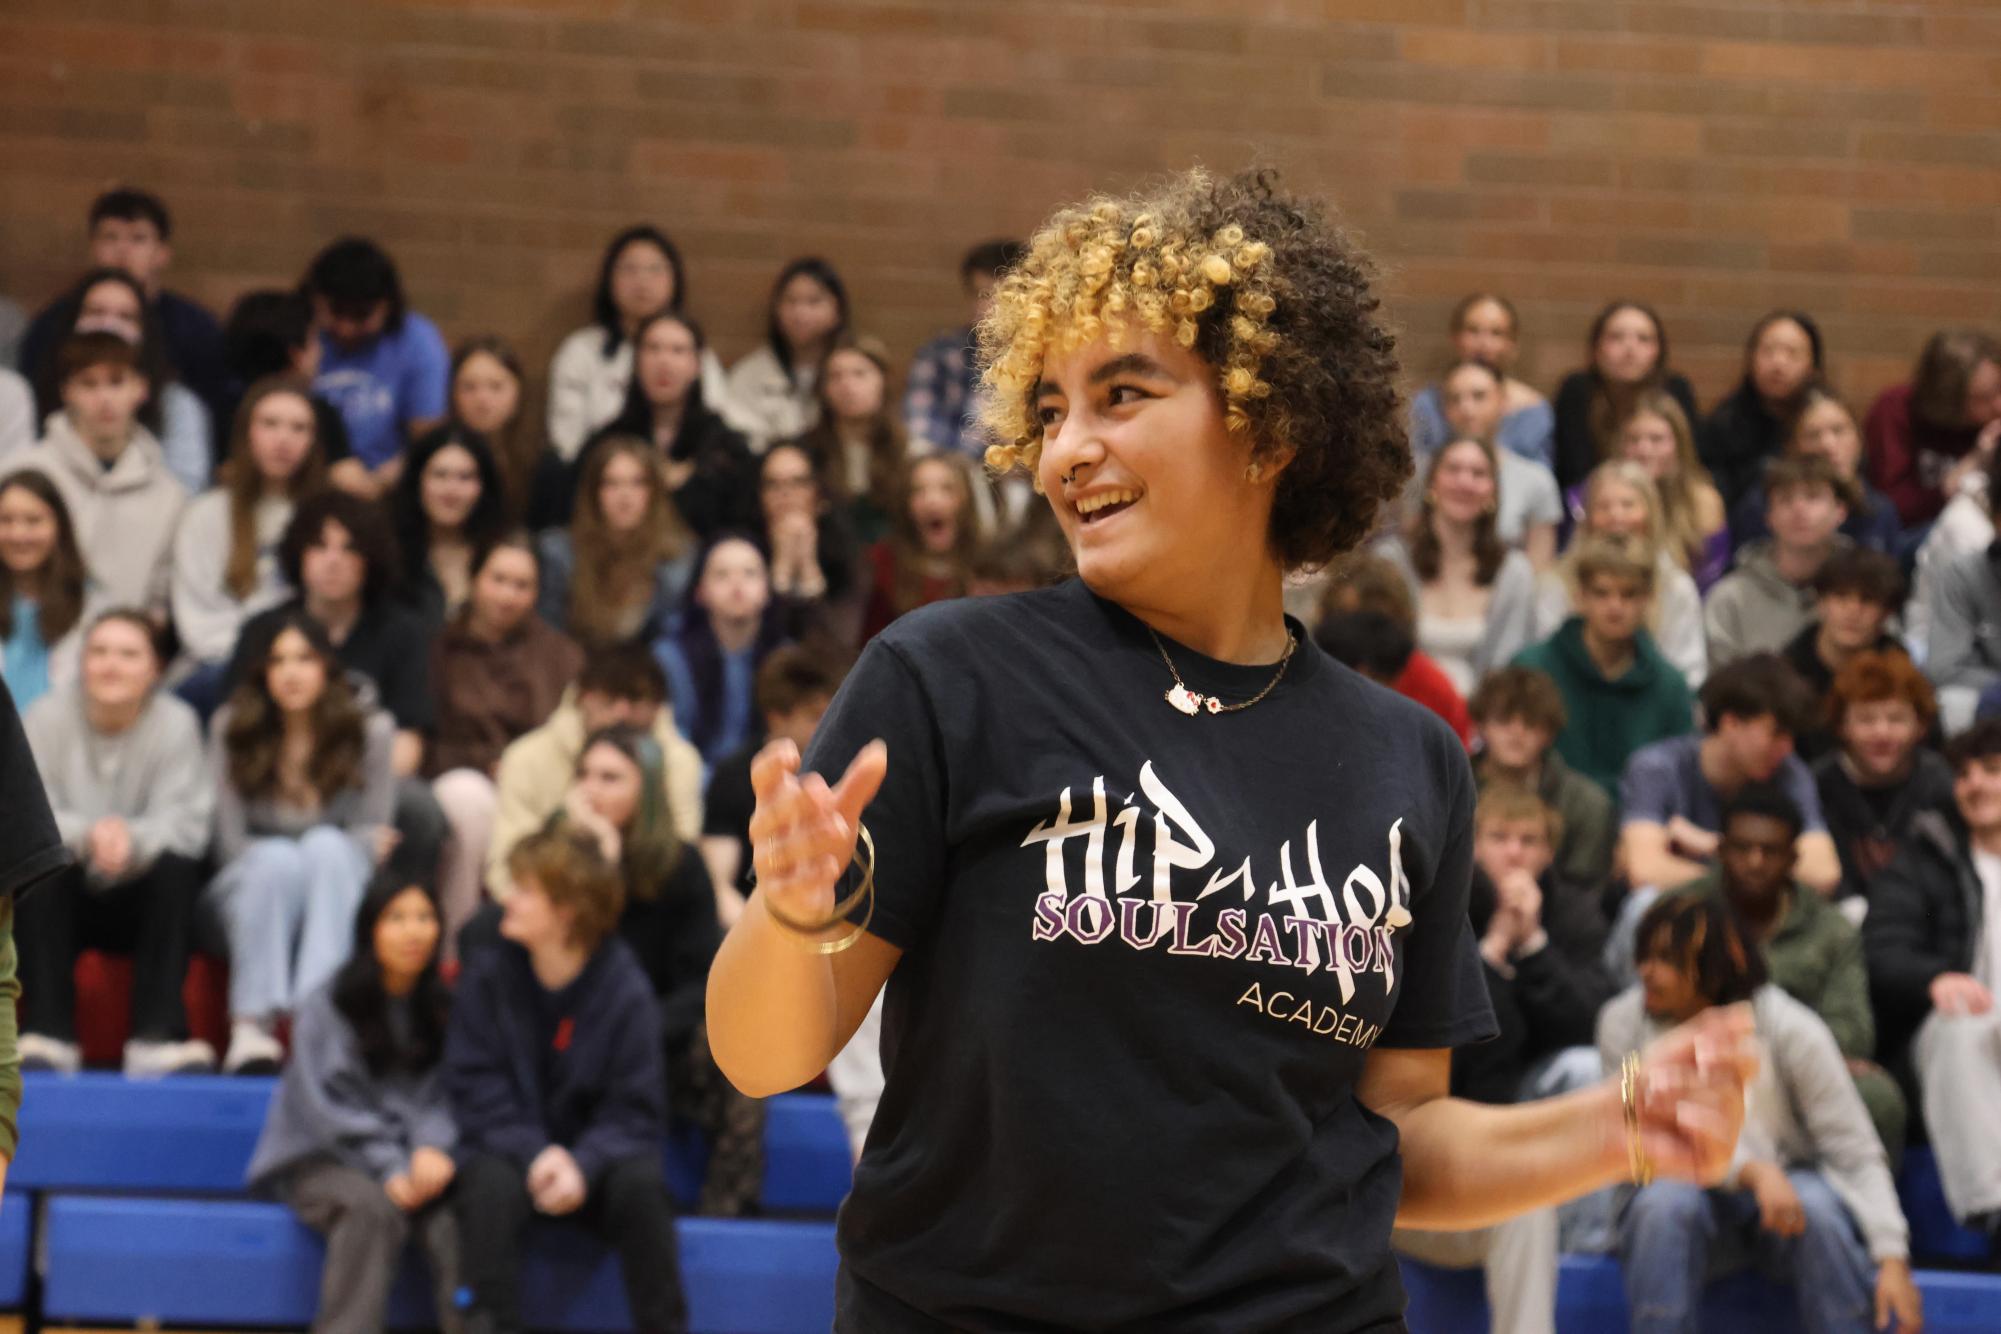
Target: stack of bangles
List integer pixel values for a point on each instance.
(1641, 1165)
(810, 932)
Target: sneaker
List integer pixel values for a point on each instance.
(150, 1060)
(252, 1050)
(39, 1052)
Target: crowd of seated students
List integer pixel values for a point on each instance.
(369, 660)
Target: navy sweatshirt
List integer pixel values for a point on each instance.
(581, 1067)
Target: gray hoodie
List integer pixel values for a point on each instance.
(1801, 1109)
(151, 775)
(1754, 608)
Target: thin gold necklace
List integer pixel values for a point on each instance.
(1192, 703)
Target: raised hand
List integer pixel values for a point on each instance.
(803, 832)
(1691, 1094)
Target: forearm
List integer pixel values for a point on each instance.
(1468, 1165)
(1819, 865)
(1663, 870)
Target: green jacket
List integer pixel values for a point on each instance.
(1816, 958)
(1609, 720)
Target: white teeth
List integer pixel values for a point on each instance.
(1092, 504)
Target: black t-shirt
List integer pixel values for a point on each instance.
(1145, 958)
(729, 804)
(30, 847)
(389, 644)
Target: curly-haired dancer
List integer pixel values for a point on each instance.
(1171, 908)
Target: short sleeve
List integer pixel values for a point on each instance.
(1797, 782)
(427, 370)
(1647, 788)
(883, 698)
(30, 847)
(1444, 1000)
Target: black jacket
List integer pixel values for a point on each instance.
(1865, 840)
(1736, 440)
(1924, 920)
(1576, 447)
(675, 935)
(582, 1067)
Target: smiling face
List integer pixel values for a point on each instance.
(449, 487)
(1879, 735)
(1143, 475)
(1616, 510)
(1628, 348)
(667, 363)
(1462, 483)
(485, 394)
(939, 504)
(27, 530)
(294, 674)
(1977, 789)
(280, 435)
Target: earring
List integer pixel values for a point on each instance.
(1255, 473)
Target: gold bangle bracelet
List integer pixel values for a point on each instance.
(841, 910)
(1640, 1165)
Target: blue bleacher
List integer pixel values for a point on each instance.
(17, 1213)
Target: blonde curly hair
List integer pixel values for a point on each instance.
(1262, 287)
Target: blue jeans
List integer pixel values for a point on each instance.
(1675, 1237)
(288, 905)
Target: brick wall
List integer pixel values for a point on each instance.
(1718, 157)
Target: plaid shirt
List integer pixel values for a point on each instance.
(941, 393)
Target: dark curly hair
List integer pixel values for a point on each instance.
(1261, 285)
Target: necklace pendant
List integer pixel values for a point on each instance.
(1184, 699)
(1213, 704)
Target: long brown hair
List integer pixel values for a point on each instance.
(907, 544)
(1426, 556)
(238, 476)
(59, 600)
(517, 445)
(1611, 404)
(613, 571)
(887, 446)
(255, 735)
(1678, 494)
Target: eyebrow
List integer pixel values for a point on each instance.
(1132, 363)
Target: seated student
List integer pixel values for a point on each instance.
(1823, 425)
(554, 1068)
(1656, 435)
(488, 395)
(1485, 328)
(122, 501)
(306, 795)
(270, 333)
(707, 465)
(1964, 655)
(932, 537)
(1671, 797)
(1475, 597)
(1529, 507)
(1364, 581)
(813, 575)
(617, 685)
(382, 364)
(500, 672)
(1881, 775)
(794, 688)
(858, 435)
(340, 555)
(1628, 360)
(617, 573)
(1783, 358)
(1768, 599)
(1855, 593)
(1965, 526)
(43, 588)
(1813, 952)
(1620, 503)
(1928, 437)
(1518, 712)
(670, 923)
(226, 549)
(122, 765)
(773, 386)
(944, 381)
(111, 301)
(450, 504)
(131, 231)
(358, 1140)
(1619, 693)
(727, 628)
(640, 277)
(1811, 1199)
(1933, 941)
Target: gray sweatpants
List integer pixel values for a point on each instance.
(365, 1233)
(1519, 1257)
(1959, 1077)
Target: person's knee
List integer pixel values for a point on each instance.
(378, 1215)
(465, 796)
(1669, 1206)
(1822, 1208)
(634, 1186)
(269, 871)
